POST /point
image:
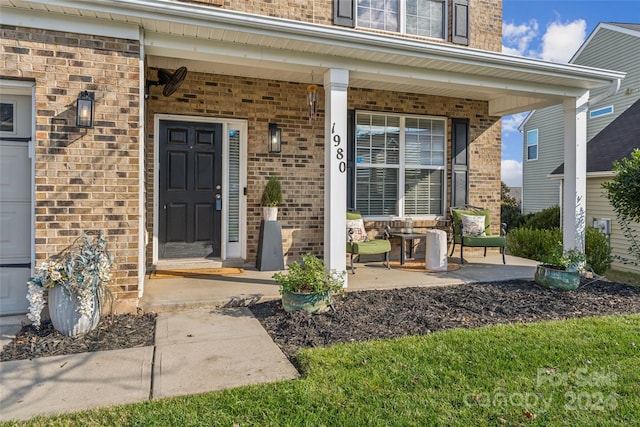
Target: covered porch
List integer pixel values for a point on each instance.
(238, 61)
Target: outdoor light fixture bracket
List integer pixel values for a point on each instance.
(84, 110)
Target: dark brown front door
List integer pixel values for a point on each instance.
(190, 195)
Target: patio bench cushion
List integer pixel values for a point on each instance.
(456, 215)
(369, 247)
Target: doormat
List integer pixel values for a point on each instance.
(418, 267)
(196, 272)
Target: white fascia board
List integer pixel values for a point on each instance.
(526, 120)
(69, 23)
(207, 16)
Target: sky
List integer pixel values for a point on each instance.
(551, 31)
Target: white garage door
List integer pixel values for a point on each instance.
(15, 202)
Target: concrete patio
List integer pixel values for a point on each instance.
(162, 295)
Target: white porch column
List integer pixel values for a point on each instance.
(335, 169)
(575, 172)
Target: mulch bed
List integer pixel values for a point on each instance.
(112, 333)
(364, 315)
(367, 315)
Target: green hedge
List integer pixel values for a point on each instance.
(535, 244)
(597, 250)
(545, 219)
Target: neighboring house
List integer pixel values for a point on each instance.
(614, 142)
(406, 123)
(612, 46)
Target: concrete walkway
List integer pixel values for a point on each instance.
(205, 341)
(195, 352)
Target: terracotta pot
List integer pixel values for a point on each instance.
(553, 277)
(64, 314)
(294, 301)
(269, 213)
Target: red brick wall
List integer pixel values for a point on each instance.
(86, 179)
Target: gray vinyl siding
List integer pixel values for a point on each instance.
(598, 207)
(607, 49)
(615, 51)
(540, 192)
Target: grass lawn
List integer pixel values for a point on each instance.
(582, 372)
(623, 277)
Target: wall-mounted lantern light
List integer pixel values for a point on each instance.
(84, 113)
(274, 138)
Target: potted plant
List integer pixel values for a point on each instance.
(308, 286)
(76, 280)
(271, 199)
(560, 269)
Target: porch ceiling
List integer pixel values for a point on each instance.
(226, 42)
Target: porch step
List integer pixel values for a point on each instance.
(195, 263)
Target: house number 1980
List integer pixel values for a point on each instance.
(337, 141)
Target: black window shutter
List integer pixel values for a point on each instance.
(351, 159)
(344, 13)
(460, 30)
(460, 162)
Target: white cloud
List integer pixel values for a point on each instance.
(558, 44)
(510, 123)
(562, 40)
(512, 173)
(517, 39)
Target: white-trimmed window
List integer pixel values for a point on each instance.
(532, 144)
(400, 165)
(416, 17)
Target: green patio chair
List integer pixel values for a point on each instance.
(358, 243)
(483, 240)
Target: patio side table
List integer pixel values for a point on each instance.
(404, 237)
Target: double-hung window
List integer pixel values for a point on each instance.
(532, 144)
(400, 165)
(416, 17)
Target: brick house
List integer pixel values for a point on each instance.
(407, 124)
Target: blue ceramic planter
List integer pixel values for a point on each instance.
(551, 277)
(294, 301)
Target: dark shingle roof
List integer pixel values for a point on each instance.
(614, 142)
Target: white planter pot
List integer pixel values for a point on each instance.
(64, 314)
(269, 213)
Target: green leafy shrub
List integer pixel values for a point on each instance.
(622, 192)
(511, 216)
(546, 246)
(510, 212)
(569, 260)
(597, 250)
(544, 220)
(309, 276)
(533, 244)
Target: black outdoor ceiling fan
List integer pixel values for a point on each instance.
(171, 82)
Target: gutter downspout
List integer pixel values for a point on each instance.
(613, 88)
